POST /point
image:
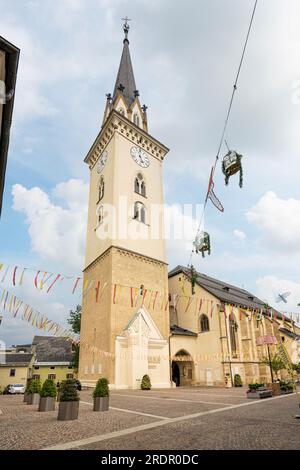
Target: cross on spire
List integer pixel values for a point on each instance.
(126, 27)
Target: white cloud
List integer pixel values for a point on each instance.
(57, 232)
(239, 234)
(278, 221)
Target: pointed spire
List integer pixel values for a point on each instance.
(125, 82)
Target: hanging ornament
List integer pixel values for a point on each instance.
(232, 164)
(202, 243)
(193, 279)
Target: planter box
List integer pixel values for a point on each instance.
(47, 404)
(286, 392)
(33, 399)
(58, 396)
(68, 410)
(101, 403)
(260, 394)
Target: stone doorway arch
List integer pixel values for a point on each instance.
(183, 368)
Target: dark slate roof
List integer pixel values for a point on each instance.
(17, 359)
(23, 347)
(125, 76)
(225, 292)
(289, 333)
(177, 330)
(52, 349)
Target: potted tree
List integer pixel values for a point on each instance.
(101, 395)
(258, 390)
(69, 401)
(286, 387)
(238, 381)
(34, 392)
(146, 383)
(48, 395)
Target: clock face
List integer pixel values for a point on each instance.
(140, 157)
(102, 161)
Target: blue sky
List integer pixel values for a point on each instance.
(185, 60)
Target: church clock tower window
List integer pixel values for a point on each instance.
(139, 212)
(139, 185)
(101, 188)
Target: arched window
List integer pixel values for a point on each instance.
(139, 185)
(139, 212)
(101, 188)
(204, 323)
(143, 189)
(136, 119)
(100, 214)
(233, 326)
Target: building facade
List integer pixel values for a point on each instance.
(9, 58)
(47, 357)
(214, 331)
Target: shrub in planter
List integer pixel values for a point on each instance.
(48, 395)
(286, 387)
(255, 386)
(34, 391)
(69, 401)
(146, 383)
(101, 395)
(258, 390)
(238, 381)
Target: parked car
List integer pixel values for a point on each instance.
(14, 389)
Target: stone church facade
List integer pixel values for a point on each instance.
(123, 342)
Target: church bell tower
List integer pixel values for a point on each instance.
(125, 315)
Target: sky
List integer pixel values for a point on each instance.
(185, 57)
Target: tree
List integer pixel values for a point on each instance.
(75, 321)
(68, 390)
(276, 363)
(146, 383)
(48, 389)
(296, 367)
(101, 389)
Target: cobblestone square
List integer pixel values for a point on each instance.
(182, 418)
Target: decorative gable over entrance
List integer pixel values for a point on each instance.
(140, 350)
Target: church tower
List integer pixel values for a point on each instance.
(125, 315)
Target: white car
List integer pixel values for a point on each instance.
(15, 389)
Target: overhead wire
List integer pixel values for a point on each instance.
(226, 120)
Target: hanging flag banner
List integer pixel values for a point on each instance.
(211, 194)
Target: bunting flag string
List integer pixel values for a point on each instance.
(13, 305)
(45, 281)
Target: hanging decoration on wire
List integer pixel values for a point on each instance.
(211, 194)
(202, 243)
(232, 164)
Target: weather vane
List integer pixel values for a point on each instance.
(126, 25)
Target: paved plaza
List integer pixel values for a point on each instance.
(181, 419)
